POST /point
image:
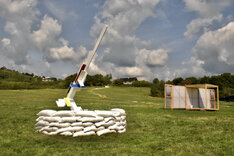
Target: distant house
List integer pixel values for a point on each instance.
(128, 80)
(48, 79)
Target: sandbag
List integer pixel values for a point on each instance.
(70, 129)
(76, 124)
(92, 119)
(86, 113)
(62, 125)
(46, 112)
(81, 133)
(40, 118)
(42, 123)
(104, 131)
(100, 128)
(66, 133)
(118, 118)
(123, 117)
(105, 124)
(64, 113)
(85, 124)
(52, 119)
(108, 119)
(116, 113)
(69, 119)
(39, 127)
(104, 113)
(122, 131)
(48, 129)
(90, 128)
(119, 110)
(49, 133)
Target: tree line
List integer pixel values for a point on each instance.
(11, 79)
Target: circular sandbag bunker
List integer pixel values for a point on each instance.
(81, 123)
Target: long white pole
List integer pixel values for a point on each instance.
(91, 55)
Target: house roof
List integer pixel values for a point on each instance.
(129, 79)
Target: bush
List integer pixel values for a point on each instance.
(141, 83)
(117, 82)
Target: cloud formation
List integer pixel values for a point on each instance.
(126, 54)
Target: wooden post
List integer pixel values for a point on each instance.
(206, 96)
(218, 97)
(198, 101)
(185, 97)
(165, 96)
(172, 97)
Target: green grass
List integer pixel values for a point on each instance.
(151, 130)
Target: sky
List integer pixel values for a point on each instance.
(145, 38)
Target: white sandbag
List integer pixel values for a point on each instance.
(122, 131)
(108, 119)
(118, 118)
(66, 133)
(105, 124)
(76, 124)
(62, 125)
(69, 119)
(90, 128)
(49, 133)
(42, 123)
(81, 133)
(115, 126)
(85, 124)
(51, 119)
(46, 113)
(119, 110)
(123, 122)
(70, 129)
(45, 132)
(49, 129)
(39, 127)
(40, 118)
(85, 113)
(123, 117)
(104, 113)
(100, 128)
(104, 131)
(64, 113)
(92, 119)
(116, 113)
(75, 129)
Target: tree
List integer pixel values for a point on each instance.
(177, 81)
(118, 82)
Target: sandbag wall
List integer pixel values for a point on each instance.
(81, 123)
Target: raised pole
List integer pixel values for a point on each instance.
(91, 55)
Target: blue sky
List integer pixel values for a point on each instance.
(146, 39)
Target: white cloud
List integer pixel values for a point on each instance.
(206, 8)
(125, 55)
(195, 25)
(6, 42)
(212, 54)
(61, 12)
(47, 34)
(208, 12)
(215, 48)
(153, 58)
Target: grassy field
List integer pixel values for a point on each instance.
(151, 130)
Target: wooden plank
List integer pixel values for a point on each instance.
(172, 97)
(206, 96)
(185, 97)
(218, 97)
(165, 96)
(198, 101)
